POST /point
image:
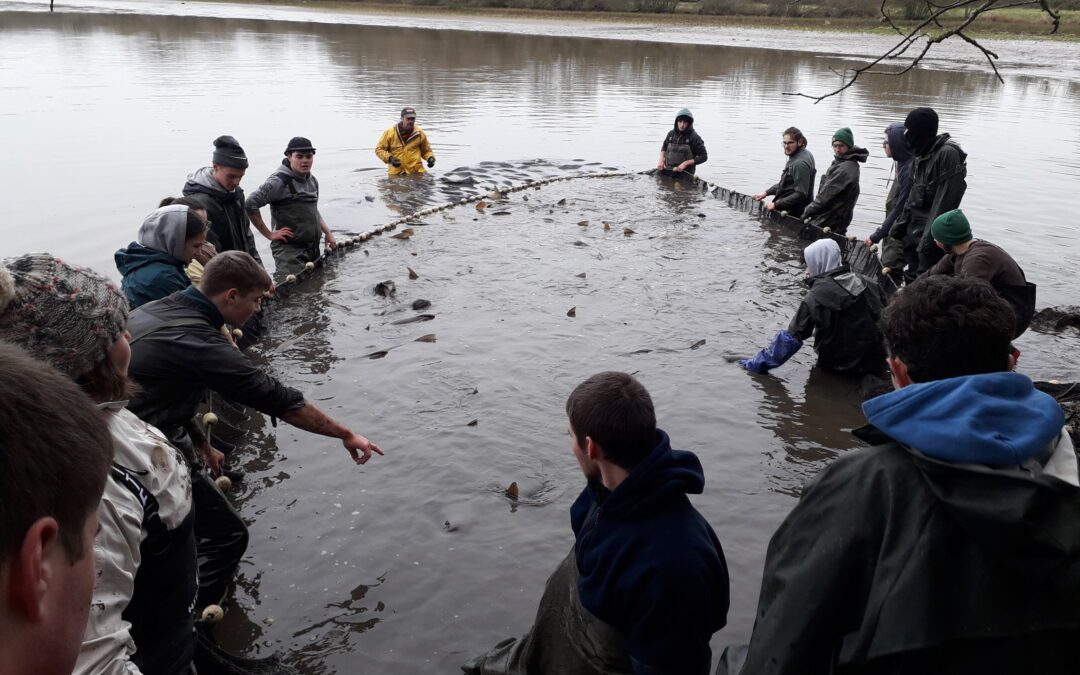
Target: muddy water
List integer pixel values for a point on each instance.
(411, 563)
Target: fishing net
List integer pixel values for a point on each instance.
(211, 659)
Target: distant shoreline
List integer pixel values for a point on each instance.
(1022, 23)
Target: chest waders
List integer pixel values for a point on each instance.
(565, 638)
(300, 213)
(677, 153)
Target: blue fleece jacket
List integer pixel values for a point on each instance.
(149, 274)
(997, 419)
(650, 565)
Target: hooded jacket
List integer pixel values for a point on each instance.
(897, 198)
(230, 228)
(413, 150)
(650, 565)
(953, 548)
(690, 138)
(153, 267)
(937, 185)
(834, 205)
(796, 187)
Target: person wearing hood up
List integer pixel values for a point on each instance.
(217, 188)
(838, 192)
(682, 149)
(840, 310)
(168, 239)
(646, 584)
(892, 250)
(796, 186)
(973, 258)
(293, 195)
(953, 544)
(938, 184)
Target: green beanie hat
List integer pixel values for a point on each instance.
(845, 136)
(951, 228)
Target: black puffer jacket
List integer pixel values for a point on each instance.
(834, 205)
(176, 364)
(841, 311)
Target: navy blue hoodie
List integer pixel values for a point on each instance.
(650, 565)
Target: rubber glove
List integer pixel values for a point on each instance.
(395, 162)
(783, 347)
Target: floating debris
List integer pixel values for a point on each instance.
(607, 226)
(404, 234)
(572, 312)
(448, 527)
(580, 242)
(473, 423)
(385, 288)
(413, 319)
(580, 276)
(627, 231)
(583, 223)
(561, 202)
(412, 274)
(430, 337)
(500, 213)
(697, 344)
(421, 304)
(376, 355)
(512, 491)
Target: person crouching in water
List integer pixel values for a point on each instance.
(646, 584)
(168, 240)
(682, 150)
(841, 311)
(834, 205)
(293, 195)
(141, 616)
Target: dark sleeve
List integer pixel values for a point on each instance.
(667, 139)
(831, 187)
(944, 266)
(230, 372)
(773, 189)
(697, 145)
(949, 175)
(978, 265)
(802, 187)
(802, 325)
(903, 180)
(272, 190)
(816, 578)
(672, 635)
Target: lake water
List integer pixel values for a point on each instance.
(415, 561)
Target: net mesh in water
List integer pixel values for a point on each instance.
(211, 659)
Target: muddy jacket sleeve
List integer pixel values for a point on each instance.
(425, 147)
(697, 146)
(816, 578)
(272, 189)
(383, 147)
(107, 645)
(230, 372)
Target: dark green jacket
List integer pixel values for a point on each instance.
(230, 228)
(796, 187)
(834, 205)
(937, 185)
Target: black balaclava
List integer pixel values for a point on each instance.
(922, 128)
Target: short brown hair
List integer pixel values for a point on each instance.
(55, 453)
(942, 326)
(234, 269)
(616, 411)
(796, 136)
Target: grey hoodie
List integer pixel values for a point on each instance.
(165, 230)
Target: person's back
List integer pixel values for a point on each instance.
(841, 311)
(951, 546)
(645, 585)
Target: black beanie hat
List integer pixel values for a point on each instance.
(227, 152)
(299, 143)
(922, 129)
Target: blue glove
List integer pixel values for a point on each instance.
(783, 347)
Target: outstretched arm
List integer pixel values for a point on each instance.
(310, 418)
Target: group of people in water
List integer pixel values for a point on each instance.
(951, 545)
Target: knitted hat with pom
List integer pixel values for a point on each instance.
(65, 315)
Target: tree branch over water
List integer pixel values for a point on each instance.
(916, 42)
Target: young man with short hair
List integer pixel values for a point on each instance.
(952, 545)
(55, 454)
(683, 150)
(796, 187)
(404, 147)
(178, 352)
(217, 189)
(645, 585)
(834, 205)
(292, 192)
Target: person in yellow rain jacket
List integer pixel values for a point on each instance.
(404, 147)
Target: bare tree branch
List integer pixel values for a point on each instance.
(919, 33)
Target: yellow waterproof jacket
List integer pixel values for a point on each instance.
(412, 151)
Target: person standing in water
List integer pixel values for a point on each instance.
(683, 149)
(404, 147)
(834, 205)
(292, 192)
(796, 186)
(217, 189)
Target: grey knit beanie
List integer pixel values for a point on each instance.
(65, 315)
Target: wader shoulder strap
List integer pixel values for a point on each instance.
(174, 323)
(157, 534)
